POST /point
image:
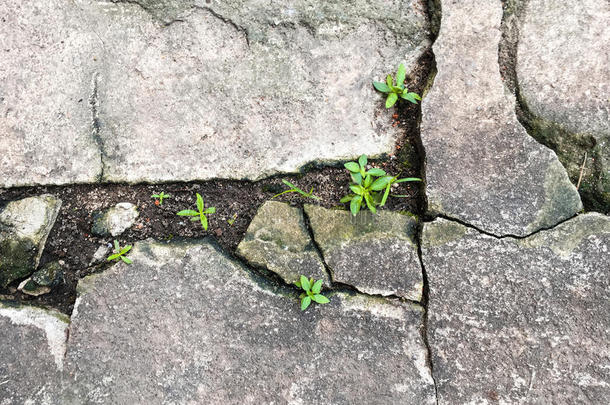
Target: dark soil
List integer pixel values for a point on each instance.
(71, 241)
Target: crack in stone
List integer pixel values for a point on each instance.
(226, 20)
(507, 236)
(95, 124)
(307, 222)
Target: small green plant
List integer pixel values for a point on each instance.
(397, 91)
(370, 187)
(295, 189)
(119, 253)
(312, 292)
(160, 197)
(231, 220)
(201, 213)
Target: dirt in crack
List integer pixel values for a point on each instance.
(71, 241)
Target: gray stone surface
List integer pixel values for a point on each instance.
(377, 254)
(278, 240)
(481, 166)
(116, 220)
(563, 71)
(520, 321)
(110, 91)
(185, 324)
(24, 227)
(48, 61)
(32, 348)
(42, 280)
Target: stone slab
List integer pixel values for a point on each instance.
(277, 239)
(143, 92)
(32, 348)
(185, 324)
(482, 167)
(24, 227)
(565, 86)
(516, 321)
(376, 254)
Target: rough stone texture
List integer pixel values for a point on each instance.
(48, 61)
(207, 96)
(116, 220)
(377, 254)
(565, 86)
(278, 240)
(482, 167)
(42, 280)
(185, 324)
(33, 343)
(24, 227)
(520, 321)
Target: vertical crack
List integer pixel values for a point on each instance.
(307, 223)
(424, 303)
(95, 123)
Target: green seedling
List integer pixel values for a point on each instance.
(200, 214)
(160, 197)
(119, 253)
(295, 189)
(369, 187)
(397, 91)
(231, 220)
(312, 292)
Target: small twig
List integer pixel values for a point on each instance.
(582, 168)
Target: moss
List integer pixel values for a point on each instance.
(17, 259)
(441, 232)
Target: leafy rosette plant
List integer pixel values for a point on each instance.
(200, 213)
(370, 187)
(312, 292)
(396, 90)
(119, 253)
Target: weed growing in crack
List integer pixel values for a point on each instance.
(312, 292)
(395, 92)
(295, 189)
(119, 253)
(201, 213)
(370, 187)
(159, 197)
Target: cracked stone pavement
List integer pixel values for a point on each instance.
(500, 294)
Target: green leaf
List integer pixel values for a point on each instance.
(381, 183)
(362, 161)
(391, 100)
(125, 249)
(204, 221)
(376, 172)
(412, 97)
(187, 213)
(210, 210)
(320, 299)
(298, 284)
(352, 167)
(367, 181)
(155, 196)
(317, 286)
(305, 283)
(305, 303)
(389, 81)
(401, 74)
(356, 178)
(355, 204)
(408, 179)
(199, 203)
(356, 189)
(385, 195)
(126, 260)
(117, 248)
(397, 90)
(370, 204)
(347, 198)
(381, 87)
(114, 256)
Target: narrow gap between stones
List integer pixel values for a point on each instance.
(507, 236)
(318, 249)
(512, 18)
